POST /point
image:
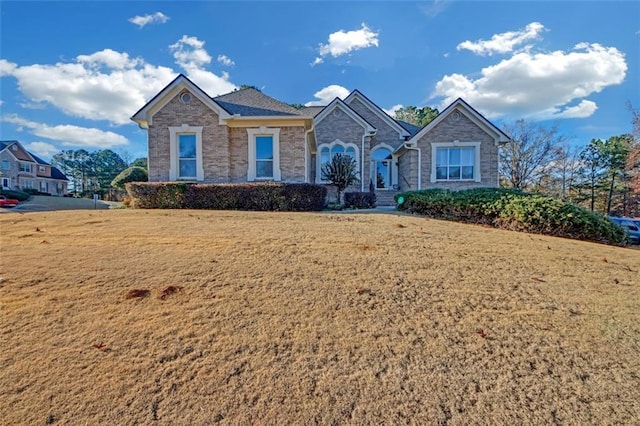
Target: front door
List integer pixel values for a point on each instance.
(381, 168)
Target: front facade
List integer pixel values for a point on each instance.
(21, 169)
(246, 136)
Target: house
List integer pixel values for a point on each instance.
(21, 169)
(247, 136)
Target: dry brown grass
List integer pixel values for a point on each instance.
(311, 318)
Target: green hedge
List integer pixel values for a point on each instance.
(243, 196)
(131, 174)
(15, 194)
(515, 210)
(360, 200)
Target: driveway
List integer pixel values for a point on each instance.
(40, 203)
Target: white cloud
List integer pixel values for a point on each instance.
(190, 54)
(110, 85)
(156, 18)
(434, 8)
(70, 135)
(42, 149)
(325, 95)
(225, 60)
(343, 42)
(540, 85)
(392, 111)
(504, 42)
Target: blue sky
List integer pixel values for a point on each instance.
(72, 73)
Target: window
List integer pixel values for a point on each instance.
(186, 156)
(457, 161)
(43, 187)
(42, 169)
(25, 167)
(382, 161)
(6, 165)
(264, 154)
(27, 183)
(6, 183)
(185, 153)
(264, 157)
(328, 151)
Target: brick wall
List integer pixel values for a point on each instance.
(462, 130)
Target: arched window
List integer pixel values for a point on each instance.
(328, 151)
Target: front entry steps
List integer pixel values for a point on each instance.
(384, 198)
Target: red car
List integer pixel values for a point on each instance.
(8, 202)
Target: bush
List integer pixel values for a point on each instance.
(244, 196)
(132, 174)
(360, 200)
(515, 210)
(30, 191)
(15, 194)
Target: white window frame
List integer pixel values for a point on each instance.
(174, 164)
(393, 169)
(27, 183)
(456, 144)
(330, 146)
(7, 180)
(27, 166)
(252, 133)
(42, 169)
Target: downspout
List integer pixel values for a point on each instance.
(306, 155)
(364, 135)
(407, 146)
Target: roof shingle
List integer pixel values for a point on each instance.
(252, 102)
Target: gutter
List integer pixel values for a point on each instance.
(408, 146)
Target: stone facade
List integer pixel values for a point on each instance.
(225, 150)
(463, 130)
(215, 140)
(225, 147)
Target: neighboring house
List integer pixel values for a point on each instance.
(20, 169)
(247, 136)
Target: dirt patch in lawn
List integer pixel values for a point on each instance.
(311, 318)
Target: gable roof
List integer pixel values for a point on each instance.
(57, 174)
(356, 94)
(254, 103)
(411, 128)
(471, 113)
(338, 103)
(144, 115)
(39, 160)
(22, 154)
(312, 111)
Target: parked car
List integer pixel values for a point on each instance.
(8, 202)
(632, 226)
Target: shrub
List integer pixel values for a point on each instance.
(341, 171)
(244, 196)
(515, 210)
(132, 174)
(360, 200)
(15, 194)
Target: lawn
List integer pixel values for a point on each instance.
(309, 318)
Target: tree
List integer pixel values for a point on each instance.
(341, 172)
(416, 116)
(131, 174)
(106, 165)
(248, 86)
(528, 156)
(297, 106)
(615, 152)
(592, 170)
(140, 162)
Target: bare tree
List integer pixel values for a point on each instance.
(531, 153)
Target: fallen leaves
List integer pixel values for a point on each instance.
(137, 293)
